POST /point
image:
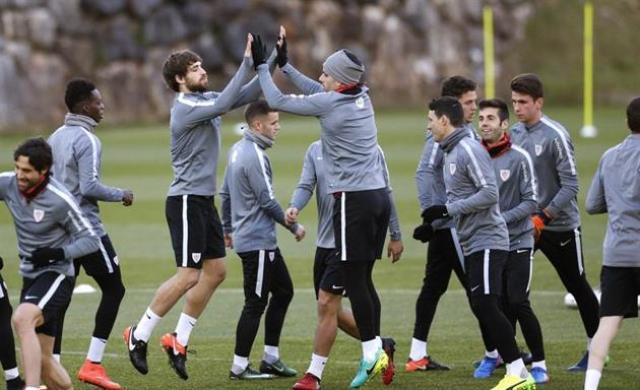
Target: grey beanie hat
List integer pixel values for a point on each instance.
(344, 67)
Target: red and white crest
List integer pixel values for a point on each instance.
(196, 257)
(38, 215)
(272, 256)
(538, 149)
(452, 168)
(505, 174)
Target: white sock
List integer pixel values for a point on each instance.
(239, 364)
(11, 374)
(56, 356)
(316, 367)
(492, 354)
(517, 368)
(271, 354)
(32, 388)
(418, 349)
(369, 349)
(145, 326)
(379, 341)
(592, 379)
(184, 327)
(96, 349)
(542, 364)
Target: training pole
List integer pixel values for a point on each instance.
(489, 65)
(588, 129)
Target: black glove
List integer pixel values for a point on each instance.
(281, 57)
(1, 263)
(46, 256)
(432, 213)
(543, 216)
(423, 233)
(258, 51)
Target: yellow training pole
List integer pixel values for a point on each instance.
(489, 66)
(588, 129)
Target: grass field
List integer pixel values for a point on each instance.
(138, 158)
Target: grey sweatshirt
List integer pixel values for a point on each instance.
(615, 190)
(313, 176)
(348, 132)
(472, 194)
(52, 219)
(77, 161)
(249, 207)
(551, 149)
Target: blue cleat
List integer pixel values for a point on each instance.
(368, 370)
(539, 375)
(581, 366)
(486, 368)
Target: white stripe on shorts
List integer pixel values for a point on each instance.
(260, 273)
(185, 232)
(485, 272)
(456, 244)
(343, 227)
(579, 251)
(530, 270)
(54, 286)
(106, 258)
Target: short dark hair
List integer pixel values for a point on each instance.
(449, 107)
(177, 64)
(457, 86)
(257, 108)
(528, 84)
(633, 115)
(78, 91)
(503, 109)
(38, 151)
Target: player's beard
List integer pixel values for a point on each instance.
(199, 86)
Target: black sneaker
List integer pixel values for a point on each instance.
(277, 368)
(15, 384)
(249, 374)
(177, 354)
(137, 350)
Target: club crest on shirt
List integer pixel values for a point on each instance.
(38, 215)
(504, 174)
(452, 168)
(272, 255)
(196, 257)
(359, 102)
(538, 149)
(116, 261)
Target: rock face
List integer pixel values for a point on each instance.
(408, 47)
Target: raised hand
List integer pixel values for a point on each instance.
(258, 51)
(281, 48)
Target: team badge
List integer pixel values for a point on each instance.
(452, 168)
(538, 150)
(360, 102)
(116, 261)
(196, 257)
(504, 174)
(272, 255)
(38, 215)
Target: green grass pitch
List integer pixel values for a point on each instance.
(138, 158)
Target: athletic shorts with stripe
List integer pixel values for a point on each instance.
(517, 275)
(101, 262)
(4, 294)
(264, 271)
(328, 273)
(360, 223)
(195, 228)
(51, 292)
(620, 288)
(484, 271)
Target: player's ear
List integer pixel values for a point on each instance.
(179, 79)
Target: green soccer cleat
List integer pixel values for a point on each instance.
(514, 382)
(249, 374)
(278, 369)
(368, 370)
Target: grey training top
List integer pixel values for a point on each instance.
(472, 194)
(50, 220)
(349, 132)
(615, 190)
(517, 189)
(313, 176)
(249, 207)
(551, 149)
(77, 161)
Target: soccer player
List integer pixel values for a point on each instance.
(464, 90)
(615, 190)
(557, 219)
(77, 155)
(8, 351)
(472, 200)
(51, 231)
(355, 178)
(194, 224)
(517, 188)
(328, 277)
(249, 215)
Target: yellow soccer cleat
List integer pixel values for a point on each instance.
(514, 382)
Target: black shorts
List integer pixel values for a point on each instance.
(516, 277)
(4, 294)
(360, 223)
(484, 271)
(100, 262)
(51, 292)
(620, 287)
(328, 273)
(195, 228)
(264, 272)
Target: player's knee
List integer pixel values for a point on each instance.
(483, 305)
(327, 304)
(254, 308)
(23, 319)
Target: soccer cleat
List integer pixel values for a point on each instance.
(95, 374)
(249, 374)
(137, 350)
(389, 347)
(368, 370)
(539, 375)
(278, 369)
(514, 382)
(425, 364)
(527, 359)
(15, 384)
(581, 365)
(307, 382)
(177, 354)
(486, 368)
